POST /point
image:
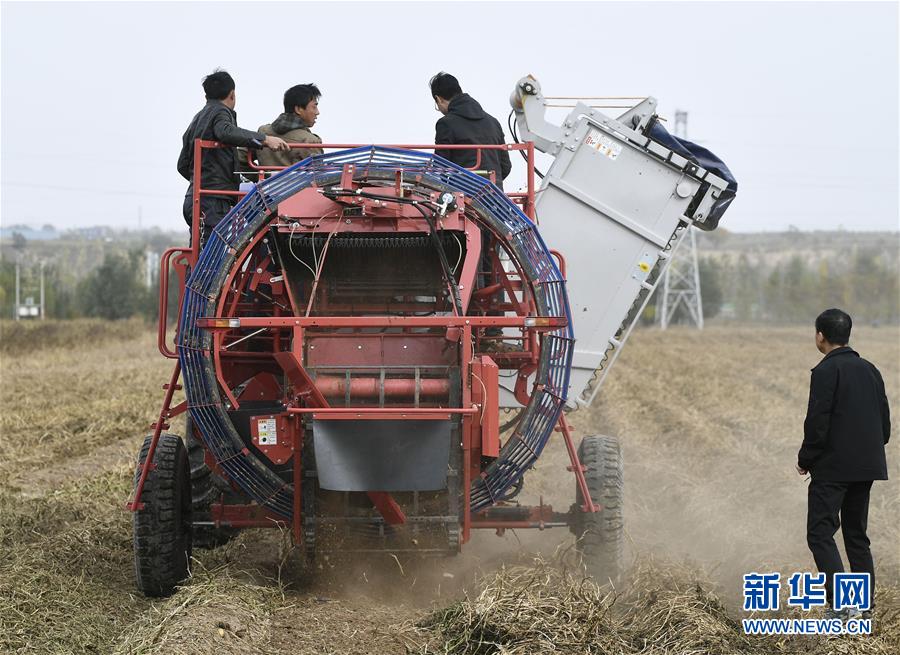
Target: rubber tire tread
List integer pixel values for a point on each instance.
(206, 487)
(601, 535)
(162, 529)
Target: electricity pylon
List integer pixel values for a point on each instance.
(681, 282)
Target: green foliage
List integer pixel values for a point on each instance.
(765, 277)
(113, 290)
(19, 242)
(863, 282)
(796, 287)
(711, 274)
(7, 288)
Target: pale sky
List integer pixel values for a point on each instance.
(799, 99)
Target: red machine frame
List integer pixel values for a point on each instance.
(474, 399)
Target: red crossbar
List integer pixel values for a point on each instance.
(535, 322)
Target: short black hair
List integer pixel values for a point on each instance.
(445, 86)
(300, 96)
(218, 84)
(835, 326)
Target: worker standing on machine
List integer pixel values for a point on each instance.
(464, 121)
(301, 109)
(217, 121)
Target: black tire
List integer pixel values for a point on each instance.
(206, 488)
(162, 529)
(601, 535)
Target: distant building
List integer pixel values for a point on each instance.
(46, 233)
(91, 233)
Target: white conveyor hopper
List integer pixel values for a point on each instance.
(615, 203)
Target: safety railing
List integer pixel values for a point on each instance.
(525, 199)
(163, 307)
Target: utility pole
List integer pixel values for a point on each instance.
(16, 309)
(29, 309)
(43, 315)
(150, 258)
(681, 281)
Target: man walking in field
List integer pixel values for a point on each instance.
(847, 426)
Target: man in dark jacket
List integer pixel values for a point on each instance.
(847, 426)
(217, 121)
(464, 121)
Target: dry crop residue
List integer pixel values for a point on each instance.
(710, 423)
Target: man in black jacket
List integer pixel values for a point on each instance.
(464, 121)
(847, 426)
(217, 121)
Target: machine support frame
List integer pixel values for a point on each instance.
(500, 516)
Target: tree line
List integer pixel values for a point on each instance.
(736, 287)
(865, 282)
(114, 290)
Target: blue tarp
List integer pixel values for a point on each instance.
(705, 159)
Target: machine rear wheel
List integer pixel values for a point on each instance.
(162, 528)
(206, 487)
(600, 535)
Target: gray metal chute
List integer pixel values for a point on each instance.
(615, 202)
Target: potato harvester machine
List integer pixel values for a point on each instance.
(375, 345)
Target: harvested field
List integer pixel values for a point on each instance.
(710, 423)
(19, 336)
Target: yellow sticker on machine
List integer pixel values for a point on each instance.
(645, 265)
(267, 431)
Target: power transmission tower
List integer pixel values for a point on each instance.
(681, 282)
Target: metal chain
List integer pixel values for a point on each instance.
(636, 306)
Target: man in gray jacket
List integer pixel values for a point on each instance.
(301, 109)
(217, 121)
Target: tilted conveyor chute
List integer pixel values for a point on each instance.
(615, 202)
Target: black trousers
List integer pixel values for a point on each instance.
(833, 505)
(212, 209)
